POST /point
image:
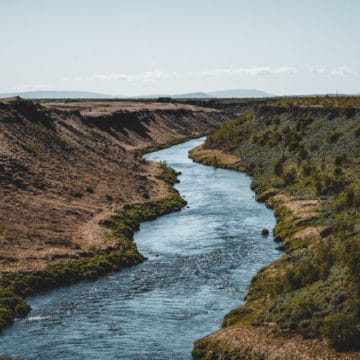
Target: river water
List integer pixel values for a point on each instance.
(200, 263)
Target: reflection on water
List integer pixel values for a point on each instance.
(200, 264)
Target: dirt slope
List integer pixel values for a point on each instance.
(66, 165)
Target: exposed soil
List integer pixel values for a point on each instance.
(64, 166)
(242, 342)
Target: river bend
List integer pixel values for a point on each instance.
(200, 263)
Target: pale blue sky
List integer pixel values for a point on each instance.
(167, 46)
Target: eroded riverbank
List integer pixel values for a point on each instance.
(304, 305)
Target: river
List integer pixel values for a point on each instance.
(200, 263)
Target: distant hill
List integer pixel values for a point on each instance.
(235, 93)
(195, 95)
(239, 93)
(57, 95)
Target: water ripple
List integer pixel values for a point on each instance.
(200, 264)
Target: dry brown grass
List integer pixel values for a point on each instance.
(264, 343)
(64, 166)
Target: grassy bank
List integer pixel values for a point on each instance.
(16, 286)
(304, 156)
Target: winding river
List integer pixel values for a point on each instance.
(200, 263)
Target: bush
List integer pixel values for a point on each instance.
(303, 123)
(351, 256)
(357, 131)
(302, 154)
(328, 185)
(349, 111)
(352, 197)
(333, 137)
(307, 168)
(343, 332)
(289, 176)
(168, 174)
(278, 166)
(338, 171)
(341, 159)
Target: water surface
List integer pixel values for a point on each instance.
(200, 263)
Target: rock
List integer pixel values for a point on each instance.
(265, 232)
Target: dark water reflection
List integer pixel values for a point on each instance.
(200, 264)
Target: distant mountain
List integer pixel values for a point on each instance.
(239, 93)
(235, 93)
(174, 96)
(57, 95)
(195, 95)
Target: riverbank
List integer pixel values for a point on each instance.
(74, 188)
(199, 264)
(308, 298)
(16, 286)
(64, 166)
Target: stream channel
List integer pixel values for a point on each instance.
(200, 263)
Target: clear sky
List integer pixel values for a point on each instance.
(175, 46)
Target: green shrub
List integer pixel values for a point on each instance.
(350, 253)
(341, 159)
(338, 171)
(278, 166)
(333, 137)
(352, 197)
(350, 112)
(289, 176)
(302, 154)
(343, 331)
(357, 131)
(307, 168)
(168, 174)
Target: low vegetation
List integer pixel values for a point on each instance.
(304, 154)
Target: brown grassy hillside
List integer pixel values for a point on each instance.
(64, 166)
